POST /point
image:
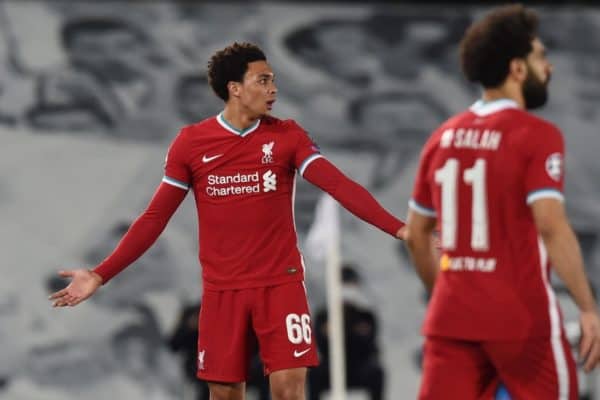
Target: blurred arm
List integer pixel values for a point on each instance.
(420, 243)
(563, 250)
(565, 256)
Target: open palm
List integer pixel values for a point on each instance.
(83, 284)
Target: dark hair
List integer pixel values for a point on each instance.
(490, 44)
(140, 332)
(230, 64)
(98, 26)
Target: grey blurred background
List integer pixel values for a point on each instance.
(91, 93)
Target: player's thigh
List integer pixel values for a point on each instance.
(227, 391)
(455, 370)
(282, 324)
(288, 383)
(541, 368)
(225, 339)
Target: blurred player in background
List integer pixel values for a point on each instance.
(241, 166)
(492, 179)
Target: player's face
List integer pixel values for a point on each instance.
(539, 70)
(258, 90)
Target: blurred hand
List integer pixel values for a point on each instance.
(83, 284)
(401, 234)
(589, 346)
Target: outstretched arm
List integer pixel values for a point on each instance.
(140, 236)
(352, 196)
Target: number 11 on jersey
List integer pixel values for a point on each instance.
(447, 177)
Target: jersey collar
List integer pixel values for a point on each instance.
(483, 108)
(240, 132)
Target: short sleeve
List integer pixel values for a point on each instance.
(177, 172)
(421, 200)
(307, 150)
(544, 175)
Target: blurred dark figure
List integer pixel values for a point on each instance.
(363, 367)
(258, 380)
(184, 341)
(139, 356)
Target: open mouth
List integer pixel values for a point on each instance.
(270, 104)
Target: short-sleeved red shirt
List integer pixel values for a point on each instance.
(479, 172)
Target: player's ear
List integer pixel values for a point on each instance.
(234, 88)
(517, 69)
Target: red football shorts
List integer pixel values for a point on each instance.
(539, 368)
(233, 321)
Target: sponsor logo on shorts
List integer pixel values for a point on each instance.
(301, 353)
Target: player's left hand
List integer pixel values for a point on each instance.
(589, 347)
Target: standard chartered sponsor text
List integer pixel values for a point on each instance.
(237, 178)
(236, 184)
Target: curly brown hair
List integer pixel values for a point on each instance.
(230, 64)
(491, 43)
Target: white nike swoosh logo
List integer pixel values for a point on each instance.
(206, 159)
(300, 353)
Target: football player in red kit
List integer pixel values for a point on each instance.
(491, 179)
(241, 166)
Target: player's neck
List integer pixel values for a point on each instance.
(504, 92)
(238, 118)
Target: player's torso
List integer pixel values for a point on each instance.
(491, 272)
(243, 184)
(229, 167)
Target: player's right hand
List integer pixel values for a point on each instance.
(83, 284)
(589, 347)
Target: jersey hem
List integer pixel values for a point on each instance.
(220, 378)
(545, 194)
(289, 365)
(208, 285)
(175, 182)
(428, 212)
(308, 161)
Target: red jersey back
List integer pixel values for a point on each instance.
(243, 182)
(478, 174)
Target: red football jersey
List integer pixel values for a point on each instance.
(478, 174)
(243, 182)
